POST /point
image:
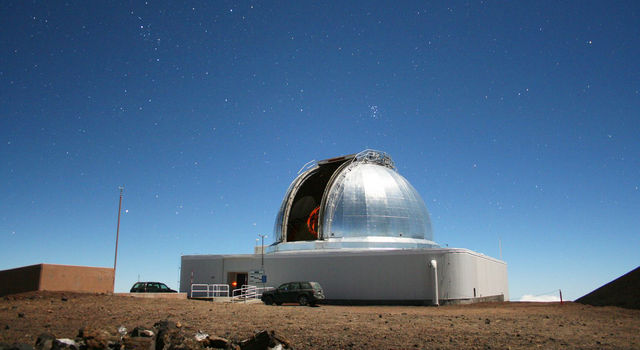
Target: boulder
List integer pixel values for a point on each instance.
(216, 342)
(174, 339)
(65, 344)
(142, 332)
(95, 338)
(265, 340)
(138, 343)
(45, 341)
(165, 324)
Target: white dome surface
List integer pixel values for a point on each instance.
(359, 202)
(367, 199)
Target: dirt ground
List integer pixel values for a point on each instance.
(486, 325)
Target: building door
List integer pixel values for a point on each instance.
(237, 279)
(243, 279)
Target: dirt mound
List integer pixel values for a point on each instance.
(623, 292)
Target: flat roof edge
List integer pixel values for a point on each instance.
(42, 265)
(347, 252)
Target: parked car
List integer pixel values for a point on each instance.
(151, 287)
(304, 293)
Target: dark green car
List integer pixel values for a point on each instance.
(151, 287)
(303, 293)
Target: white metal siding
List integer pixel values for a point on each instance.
(364, 275)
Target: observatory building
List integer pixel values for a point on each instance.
(361, 230)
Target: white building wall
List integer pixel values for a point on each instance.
(378, 275)
(465, 270)
(357, 276)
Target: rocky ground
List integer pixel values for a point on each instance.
(489, 325)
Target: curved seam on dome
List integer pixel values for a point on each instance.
(325, 195)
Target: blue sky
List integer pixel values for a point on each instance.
(517, 122)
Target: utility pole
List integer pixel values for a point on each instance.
(115, 259)
(262, 251)
(262, 258)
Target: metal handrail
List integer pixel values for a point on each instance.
(248, 292)
(196, 288)
(210, 290)
(244, 293)
(219, 290)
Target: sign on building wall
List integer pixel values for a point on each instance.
(257, 276)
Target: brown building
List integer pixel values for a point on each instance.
(50, 277)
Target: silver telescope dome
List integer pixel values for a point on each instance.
(358, 202)
(372, 200)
